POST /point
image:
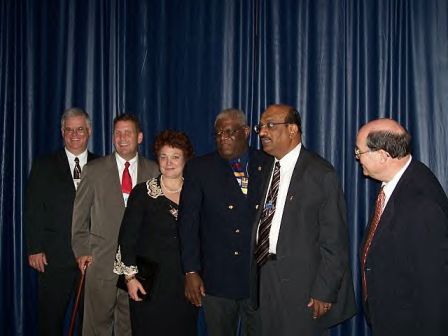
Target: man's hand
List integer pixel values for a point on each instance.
(319, 307)
(38, 261)
(84, 262)
(194, 288)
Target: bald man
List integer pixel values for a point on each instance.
(404, 256)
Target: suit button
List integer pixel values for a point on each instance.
(256, 207)
(237, 231)
(236, 253)
(230, 206)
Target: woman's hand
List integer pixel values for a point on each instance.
(134, 286)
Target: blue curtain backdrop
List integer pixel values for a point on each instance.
(177, 63)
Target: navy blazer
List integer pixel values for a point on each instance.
(215, 220)
(407, 264)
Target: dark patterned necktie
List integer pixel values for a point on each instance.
(262, 249)
(373, 227)
(126, 181)
(77, 170)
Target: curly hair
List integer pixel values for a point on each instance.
(174, 139)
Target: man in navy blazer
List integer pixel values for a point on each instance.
(217, 207)
(48, 220)
(405, 260)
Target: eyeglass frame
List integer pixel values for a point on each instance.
(228, 133)
(79, 130)
(269, 125)
(358, 152)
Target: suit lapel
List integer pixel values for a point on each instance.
(388, 214)
(294, 191)
(141, 169)
(297, 175)
(113, 177)
(64, 168)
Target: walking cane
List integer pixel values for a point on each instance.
(76, 305)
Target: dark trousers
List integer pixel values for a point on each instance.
(276, 317)
(56, 286)
(222, 316)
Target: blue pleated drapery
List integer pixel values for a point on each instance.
(177, 63)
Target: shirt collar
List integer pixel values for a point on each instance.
(390, 186)
(71, 156)
(122, 161)
(288, 162)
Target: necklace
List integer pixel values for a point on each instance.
(170, 190)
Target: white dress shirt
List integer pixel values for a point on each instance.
(389, 187)
(133, 164)
(71, 161)
(287, 164)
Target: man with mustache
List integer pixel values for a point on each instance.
(99, 207)
(300, 240)
(217, 207)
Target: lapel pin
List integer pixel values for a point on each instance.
(291, 197)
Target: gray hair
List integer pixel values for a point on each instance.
(398, 145)
(75, 112)
(232, 113)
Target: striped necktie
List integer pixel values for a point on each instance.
(262, 249)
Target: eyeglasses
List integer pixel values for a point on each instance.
(358, 153)
(79, 130)
(228, 133)
(269, 125)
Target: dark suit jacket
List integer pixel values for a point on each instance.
(215, 220)
(312, 248)
(407, 264)
(49, 207)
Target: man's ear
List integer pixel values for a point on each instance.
(293, 129)
(384, 155)
(140, 137)
(246, 130)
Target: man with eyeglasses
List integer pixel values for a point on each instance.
(217, 208)
(49, 205)
(302, 280)
(404, 255)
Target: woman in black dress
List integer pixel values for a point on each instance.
(149, 230)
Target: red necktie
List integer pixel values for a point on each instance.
(373, 226)
(126, 181)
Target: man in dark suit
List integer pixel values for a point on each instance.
(300, 240)
(97, 213)
(217, 207)
(50, 195)
(404, 256)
